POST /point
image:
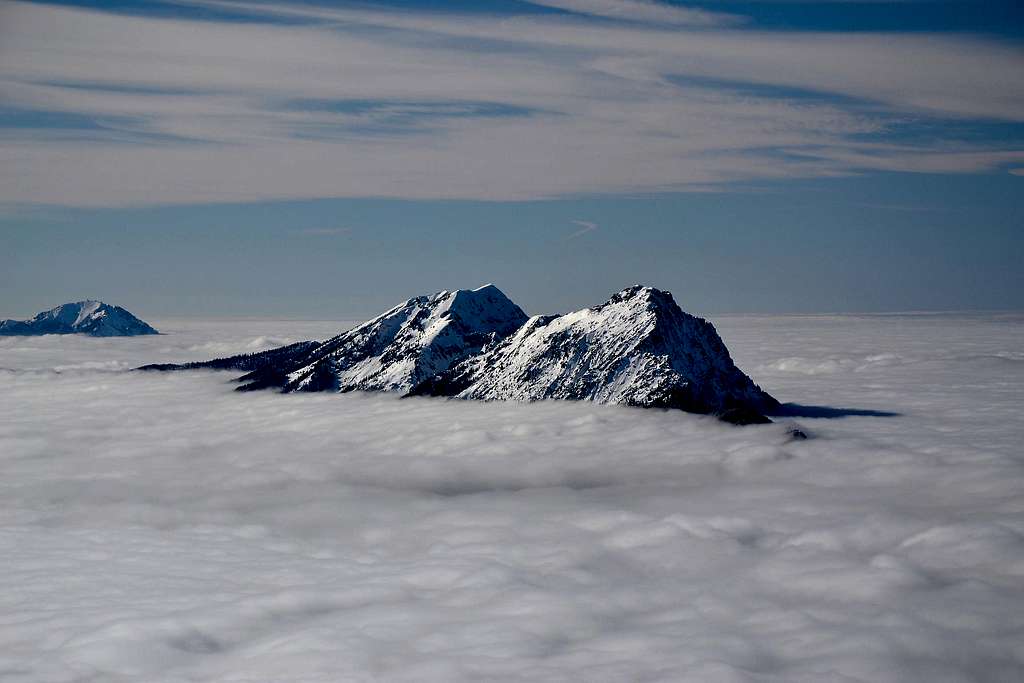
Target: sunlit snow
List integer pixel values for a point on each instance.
(161, 527)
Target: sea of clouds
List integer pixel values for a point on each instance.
(160, 527)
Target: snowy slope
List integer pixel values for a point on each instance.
(410, 343)
(90, 317)
(639, 349)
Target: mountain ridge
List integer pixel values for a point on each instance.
(395, 351)
(639, 348)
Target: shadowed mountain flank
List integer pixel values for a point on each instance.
(829, 412)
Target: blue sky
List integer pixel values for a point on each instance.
(329, 159)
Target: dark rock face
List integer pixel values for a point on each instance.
(637, 349)
(94, 318)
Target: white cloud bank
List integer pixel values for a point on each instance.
(163, 528)
(361, 102)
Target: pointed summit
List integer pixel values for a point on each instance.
(486, 307)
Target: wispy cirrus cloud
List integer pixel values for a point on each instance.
(300, 101)
(584, 228)
(642, 11)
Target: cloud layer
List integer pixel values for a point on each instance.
(165, 528)
(299, 102)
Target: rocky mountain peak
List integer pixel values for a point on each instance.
(638, 348)
(640, 294)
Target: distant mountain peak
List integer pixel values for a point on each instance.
(91, 316)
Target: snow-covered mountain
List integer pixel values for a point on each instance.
(410, 343)
(639, 349)
(83, 317)
(396, 351)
